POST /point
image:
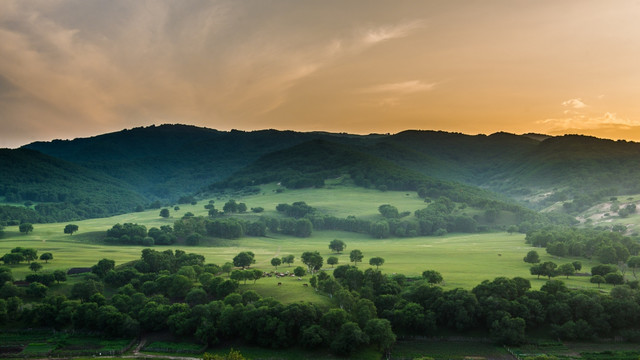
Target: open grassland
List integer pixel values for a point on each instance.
(464, 260)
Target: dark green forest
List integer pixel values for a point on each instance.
(139, 168)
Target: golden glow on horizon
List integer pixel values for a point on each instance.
(77, 68)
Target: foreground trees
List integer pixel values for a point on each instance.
(177, 292)
(244, 259)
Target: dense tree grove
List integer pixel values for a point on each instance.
(608, 247)
(177, 292)
(20, 254)
(297, 210)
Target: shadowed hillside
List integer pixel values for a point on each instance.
(62, 190)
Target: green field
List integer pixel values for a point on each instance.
(463, 259)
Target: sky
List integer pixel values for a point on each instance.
(78, 68)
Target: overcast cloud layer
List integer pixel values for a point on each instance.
(80, 68)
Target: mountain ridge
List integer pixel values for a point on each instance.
(167, 162)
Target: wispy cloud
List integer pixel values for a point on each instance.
(382, 33)
(391, 94)
(574, 103)
(580, 116)
(589, 122)
(405, 87)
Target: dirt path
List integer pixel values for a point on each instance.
(143, 341)
(137, 355)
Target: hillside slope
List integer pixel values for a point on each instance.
(171, 160)
(63, 190)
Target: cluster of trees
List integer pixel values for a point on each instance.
(600, 274)
(20, 254)
(134, 234)
(436, 219)
(232, 228)
(609, 247)
(232, 206)
(298, 209)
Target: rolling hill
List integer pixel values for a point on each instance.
(169, 161)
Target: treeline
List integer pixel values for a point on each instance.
(179, 293)
(58, 212)
(232, 228)
(609, 247)
(134, 234)
(14, 215)
(505, 308)
(438, 218)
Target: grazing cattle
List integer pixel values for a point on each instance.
(305, 285)
(279, 284)
(292, 275)
(299, 279)
(499, 254)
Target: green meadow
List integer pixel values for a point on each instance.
(464, 260)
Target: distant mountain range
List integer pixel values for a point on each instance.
(119, 171)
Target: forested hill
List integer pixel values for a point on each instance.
(310, 163)
(61, 190)
(169, 161)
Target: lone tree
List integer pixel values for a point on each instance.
(332, 260)
(103, 267)
(230, 206)
(634, 264)
(26, 228)
(227, 267)
(313, 260)
(532, 257)
(164, 213)
(70, 229)
(597, 279)
(388, 211)
(432, 276)
(275, 262)
(242, 208)
(244, 259)
(46, 257)
(59, 275)
(35, 267)
(299, 271)
(376, 261)
(288, 259)
(614, 279)
(548, 268)
(337, 245)
(355, 256)
(256, 274)
(577, 265)
(567, 270)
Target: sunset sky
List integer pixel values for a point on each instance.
(80, 68)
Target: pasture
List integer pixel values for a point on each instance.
(464, 260)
